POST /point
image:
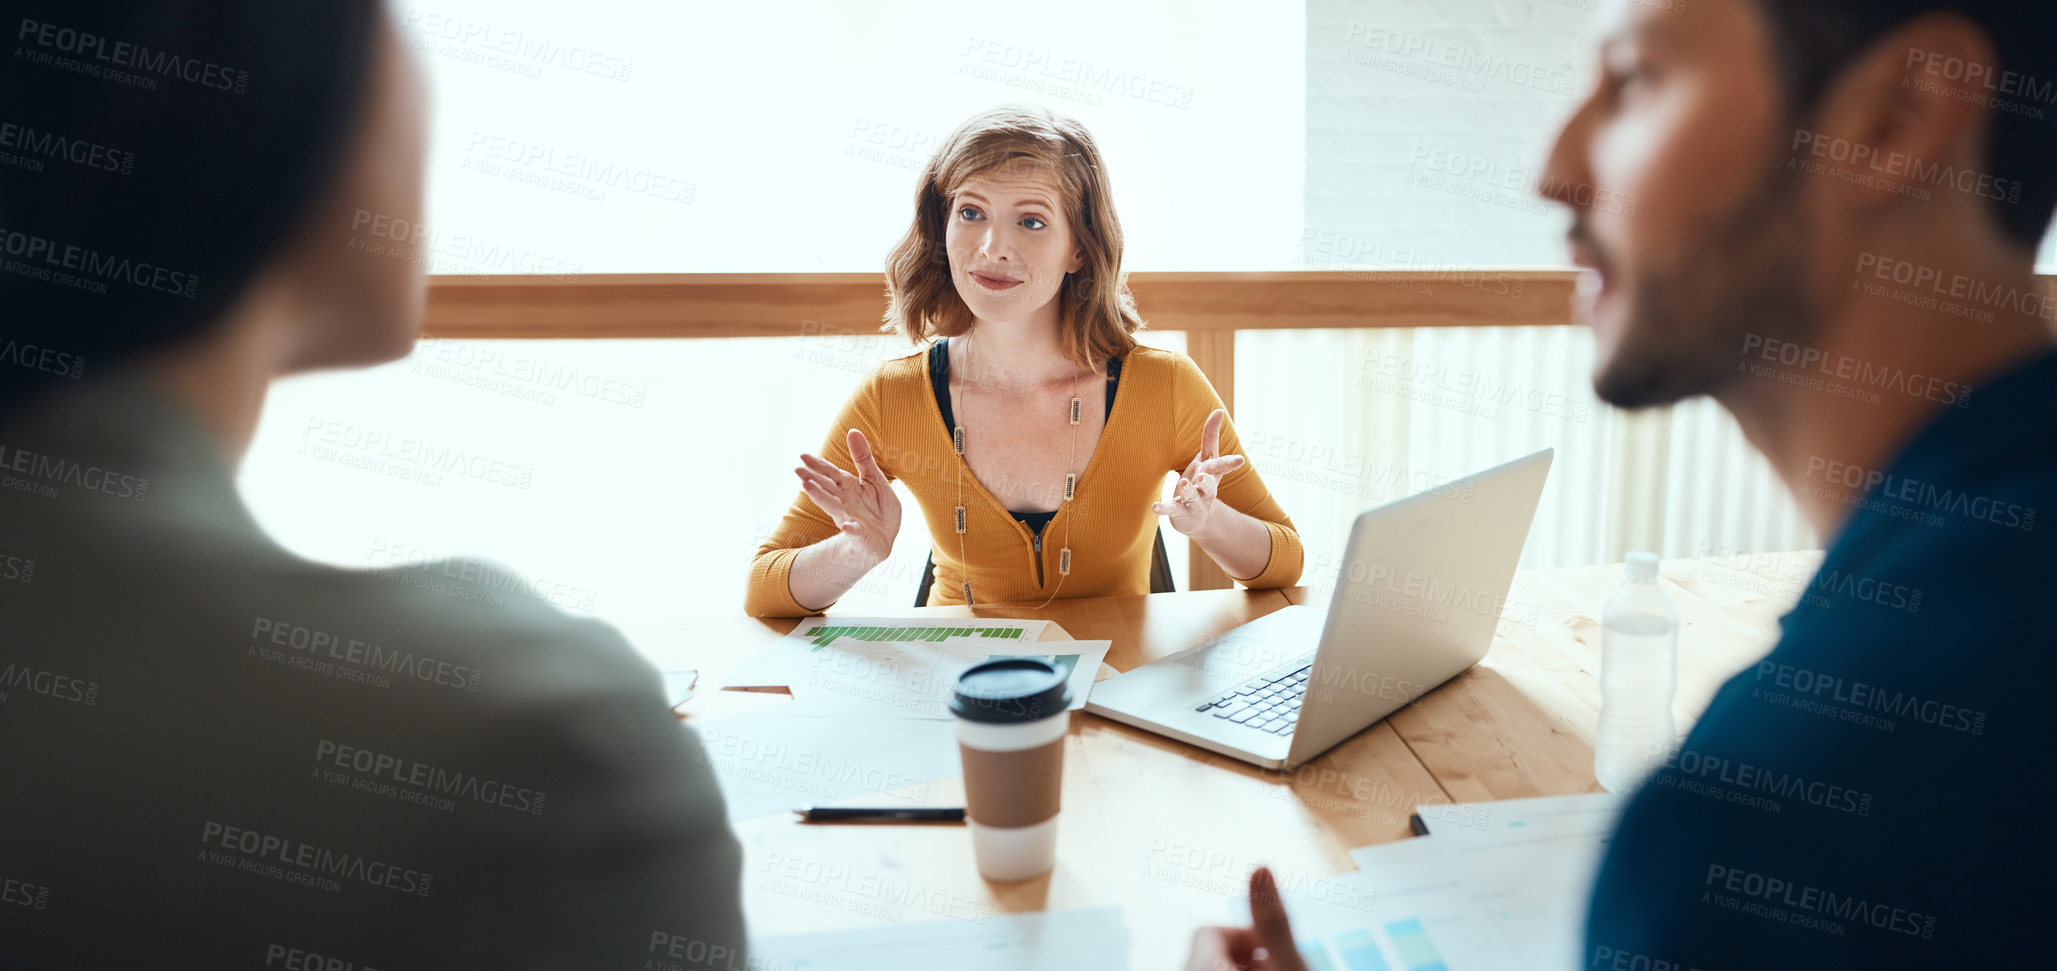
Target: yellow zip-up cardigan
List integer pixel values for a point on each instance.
(1160, 406)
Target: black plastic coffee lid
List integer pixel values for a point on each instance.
(1016, 689)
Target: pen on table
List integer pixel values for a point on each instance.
(855, 814)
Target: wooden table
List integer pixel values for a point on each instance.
(1169, 833)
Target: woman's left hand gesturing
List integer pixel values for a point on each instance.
(1192, 501)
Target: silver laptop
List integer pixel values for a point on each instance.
(1414, 603)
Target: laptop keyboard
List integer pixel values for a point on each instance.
(1266, 704)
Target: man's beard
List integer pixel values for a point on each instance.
(1688, 322)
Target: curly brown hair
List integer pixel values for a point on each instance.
(1096, 311)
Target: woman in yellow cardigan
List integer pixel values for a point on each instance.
(1034, 431)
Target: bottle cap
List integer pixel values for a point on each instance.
(1642, 565)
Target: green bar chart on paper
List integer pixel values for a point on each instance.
(794, 657)
(821, 636)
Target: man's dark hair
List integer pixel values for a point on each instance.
(1815, 40)
(156, 155)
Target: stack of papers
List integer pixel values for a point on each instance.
(771, 761)
(1497, 886)
(899, 679)
(869, 715)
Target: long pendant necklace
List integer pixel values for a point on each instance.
(1070, 487)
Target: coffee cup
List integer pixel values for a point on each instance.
(1012, 716)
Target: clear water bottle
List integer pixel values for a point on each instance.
(1638, 675)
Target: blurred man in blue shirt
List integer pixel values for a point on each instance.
(1836, 210)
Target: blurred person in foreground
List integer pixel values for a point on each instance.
(217, 754)
(1824, 214)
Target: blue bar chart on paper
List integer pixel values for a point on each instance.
(1400, 945)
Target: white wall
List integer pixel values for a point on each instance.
(1427, 125)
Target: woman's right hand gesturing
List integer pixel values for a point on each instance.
(863, 506)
